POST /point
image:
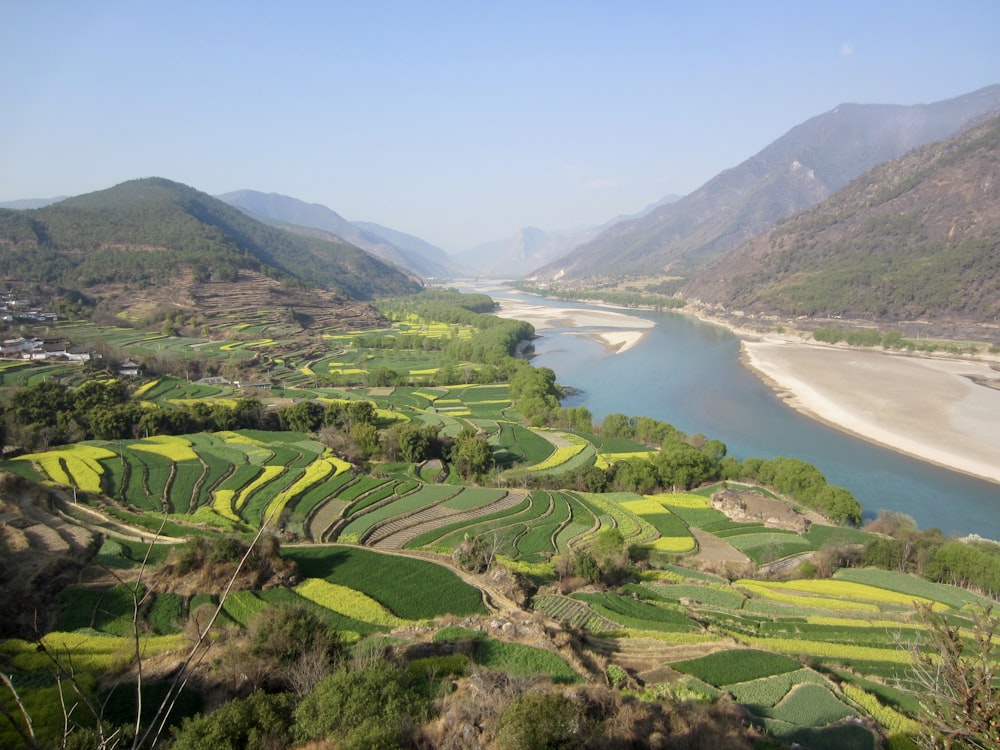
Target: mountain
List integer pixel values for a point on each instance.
(147, 232)
(519, 254)
(806, 165)
(423, 254)
(292, 214)
(915, 238)
(512, 256)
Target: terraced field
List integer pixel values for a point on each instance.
(808, 658)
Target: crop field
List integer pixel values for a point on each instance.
(638, 614)
(519, 660)
(348, 602)
(801, 655)
(399, 584)
(246, 476)
(674, 533)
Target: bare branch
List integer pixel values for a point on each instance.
(27, 731)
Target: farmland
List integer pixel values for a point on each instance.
(377, 540)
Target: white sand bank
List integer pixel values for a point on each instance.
(617, 331)
(928, 408)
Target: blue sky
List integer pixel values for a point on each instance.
(459, 122)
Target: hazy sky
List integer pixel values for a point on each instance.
(459, 122)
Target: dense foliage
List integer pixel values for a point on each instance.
(143, 231)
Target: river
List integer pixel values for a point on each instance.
(688, 373)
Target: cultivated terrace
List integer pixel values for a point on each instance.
(287, 532)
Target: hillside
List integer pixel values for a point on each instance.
(141, 233)
(916, 238)
(295, 215)
(803, 167)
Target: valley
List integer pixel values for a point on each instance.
(355, 487)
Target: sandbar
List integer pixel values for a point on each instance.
(929, 408)
(617, 331)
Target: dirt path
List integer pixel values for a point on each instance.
(711, 549)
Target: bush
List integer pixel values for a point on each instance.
(287, 635)
(543, 721)
(260, 722)
(374, 707)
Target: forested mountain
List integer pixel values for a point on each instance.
(915, 238)
(293, 214)
(145, 232)
(803, 167)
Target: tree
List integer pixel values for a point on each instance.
(471, 455)
(956, 679)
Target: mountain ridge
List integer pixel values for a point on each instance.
(804, 166)
(145, 232)
(291, 213)
(917, 237)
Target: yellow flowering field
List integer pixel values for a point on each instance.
(91, 652)
(761, 588)
(86, 474)
(230, 402)
(559, 457)
(70, 465)
(317, 471)
(145, 388)
(175, 448)
(347, 602)
(222, 503)
(848, 590)
(831, 650)
(681, 500)
(53, 466)
(647, 506)
(227, 436)
(267, 474)
(674, 544)
(887, 717)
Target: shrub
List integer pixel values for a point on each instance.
(374, 707)
(259, 722)
(543, 721)
(286, 632)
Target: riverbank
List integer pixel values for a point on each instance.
(937, 410)
(945, 411)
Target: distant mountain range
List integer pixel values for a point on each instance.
(805, 166)
(153, 232)
(527, 249)
(295, 215)
(916, 238)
